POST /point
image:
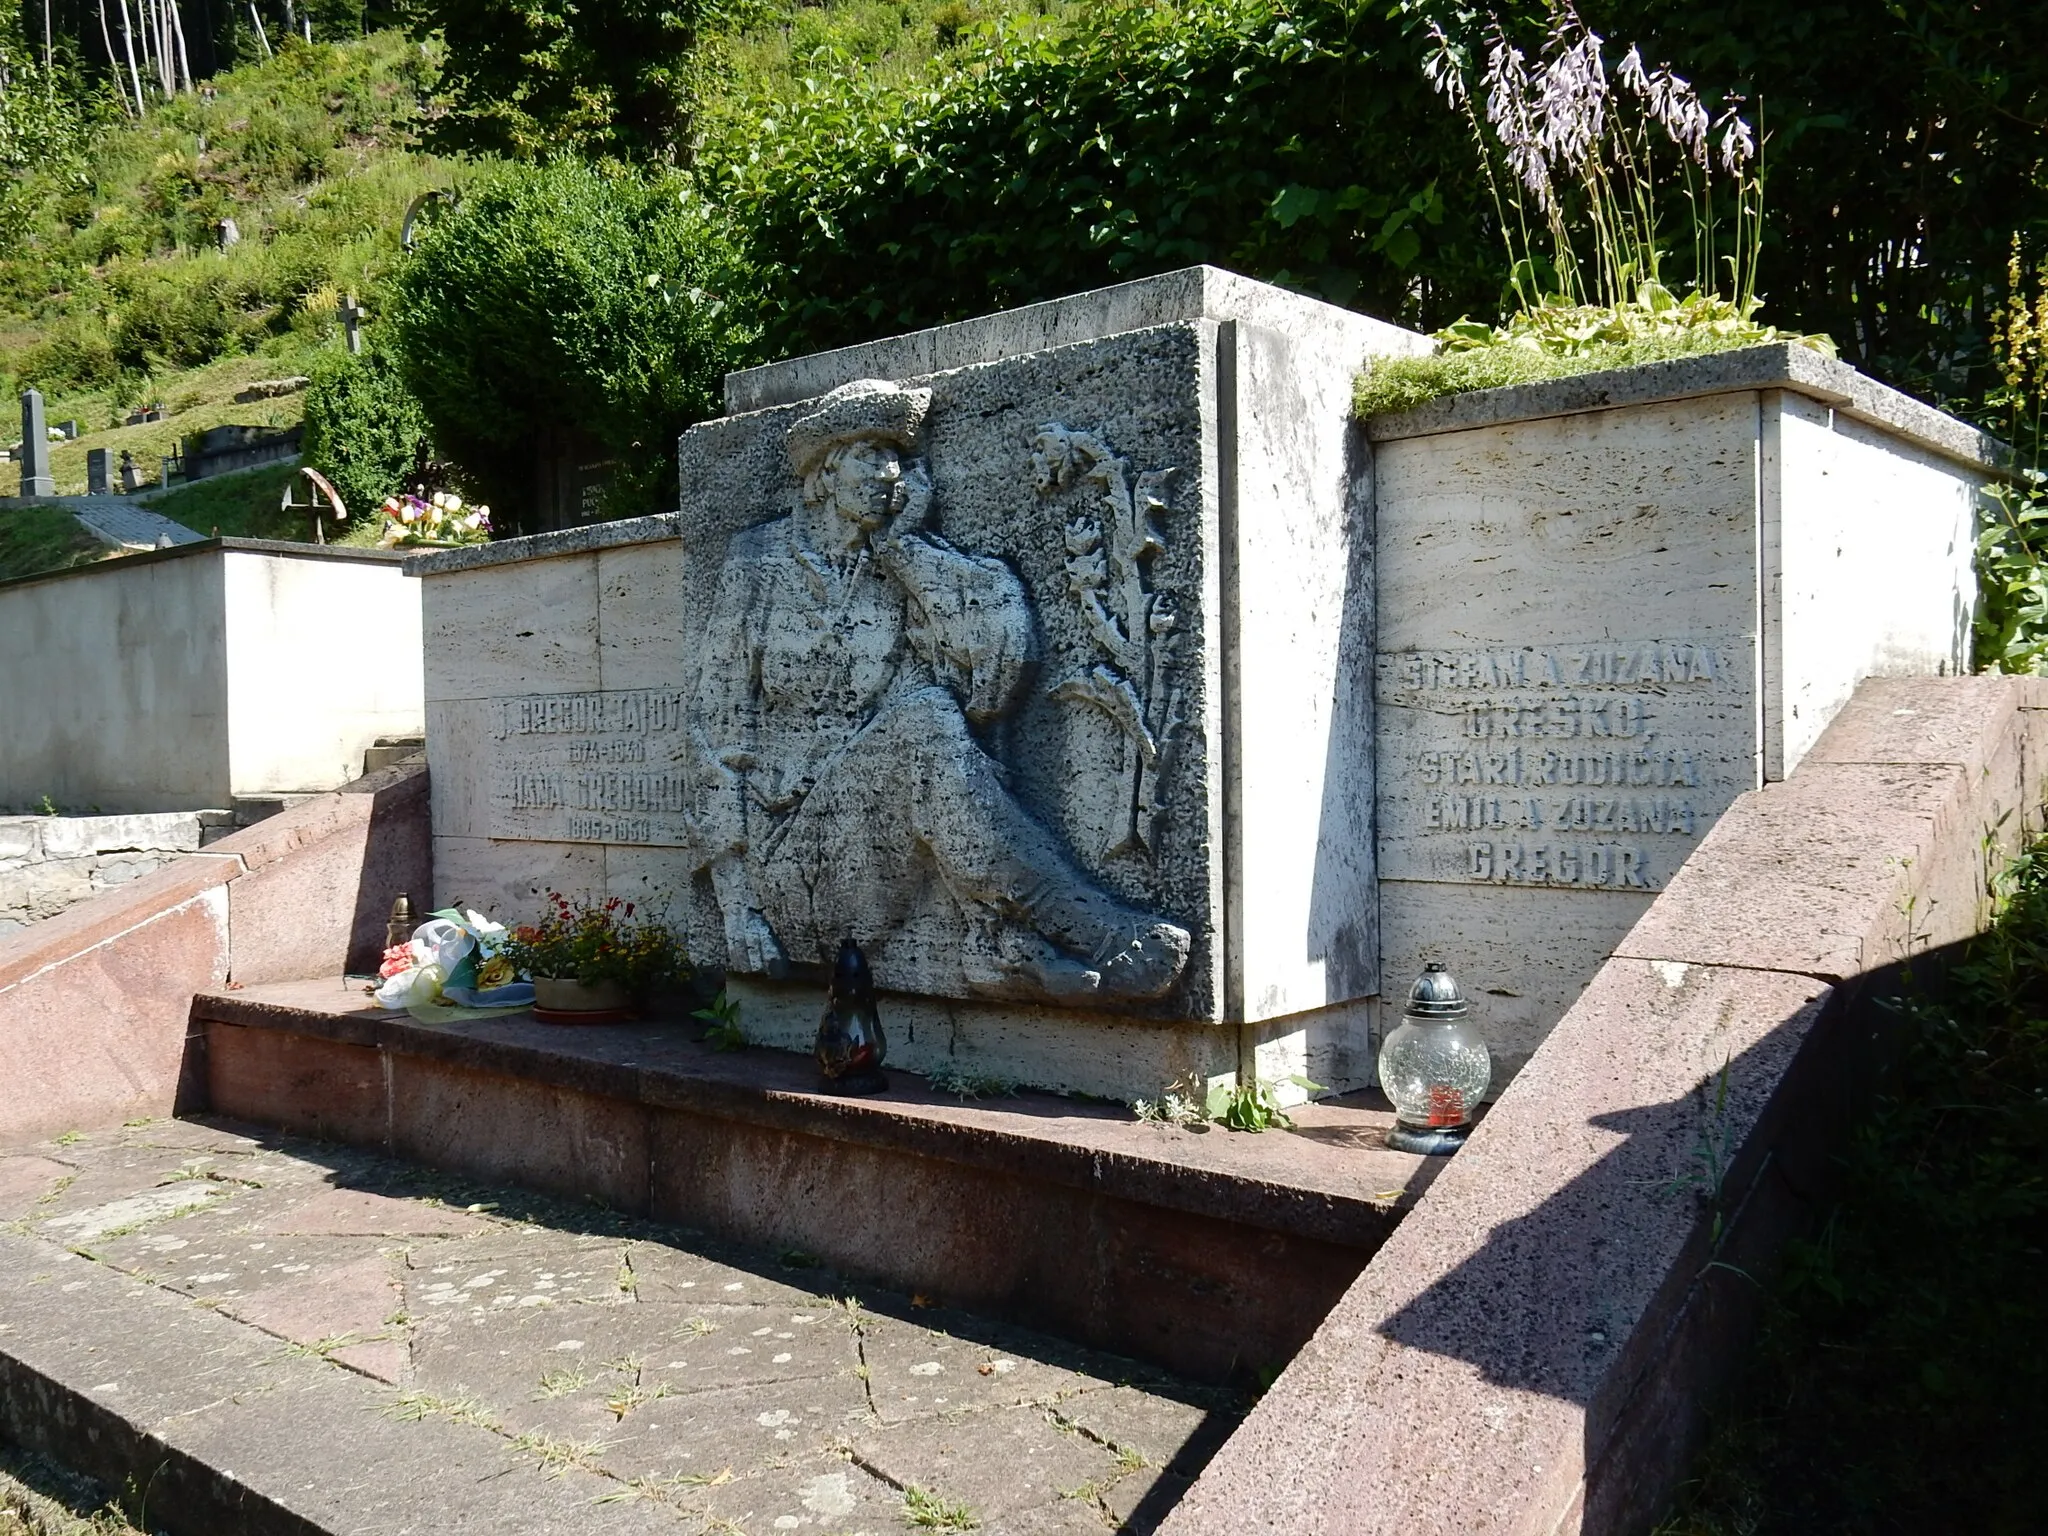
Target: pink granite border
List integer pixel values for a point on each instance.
(95, 1002)
(1531, 1350)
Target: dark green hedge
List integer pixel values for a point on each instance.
(1299, 143)
(562, 303)
(362, 427)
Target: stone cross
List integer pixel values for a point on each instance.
(98, 472)
(35, 447)
(131, 477)
(351, 320)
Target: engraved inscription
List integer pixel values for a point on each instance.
(1576, 766)
(592, 768)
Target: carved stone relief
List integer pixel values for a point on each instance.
(853, 664)
(1109, 559)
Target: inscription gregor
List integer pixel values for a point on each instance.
(1559, 748)
(592, 768)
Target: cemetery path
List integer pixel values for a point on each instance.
(371, 1346)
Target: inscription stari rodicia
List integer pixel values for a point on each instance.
(1578, 766)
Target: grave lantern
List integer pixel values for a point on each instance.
(851, 1045)
(1434, 1066)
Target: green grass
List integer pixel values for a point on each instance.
(245, 505)
(38, 539)
(1900, 1383)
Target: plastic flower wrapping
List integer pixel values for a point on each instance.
(436, 521)
(453, 958)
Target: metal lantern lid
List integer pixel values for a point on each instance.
(1435, 995)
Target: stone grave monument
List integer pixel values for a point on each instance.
(1144, 716)
(99, 478)
(35, 447)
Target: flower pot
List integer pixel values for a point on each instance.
(564, 1000)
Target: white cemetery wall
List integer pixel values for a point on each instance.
(178, 679)
(115, 691)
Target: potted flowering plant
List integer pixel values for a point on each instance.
(439, 521)
(592, 962)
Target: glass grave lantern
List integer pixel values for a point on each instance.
(851, 1046)
(1434, 1067)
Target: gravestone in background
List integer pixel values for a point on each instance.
(35, 447)
(99, 480)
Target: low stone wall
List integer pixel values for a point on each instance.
(1534, 1348)
(49, 863)
(95, 1002)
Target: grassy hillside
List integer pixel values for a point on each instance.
(121, 292)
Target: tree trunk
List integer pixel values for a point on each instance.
(114, 64)
(261, 36)
(128, 47)
(184, 56)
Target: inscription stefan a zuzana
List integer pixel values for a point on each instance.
(591, 768)
(1572, 766)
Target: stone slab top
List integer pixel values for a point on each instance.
(341, 552)
(1776, 365)
(541, 546)
(1191, 293)
(1331, 1178)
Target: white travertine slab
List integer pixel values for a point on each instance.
(1868, 572)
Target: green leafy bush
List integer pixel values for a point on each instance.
(560, 303)
(1292, 141)
(363, 427)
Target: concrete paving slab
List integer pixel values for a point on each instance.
(26, 1180)
(816, 1495)
(1165, 1431)
(998, 1463)
(914, 1372)
(280, 1352)
(496, 1271)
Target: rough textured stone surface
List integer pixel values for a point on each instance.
(519, 1386)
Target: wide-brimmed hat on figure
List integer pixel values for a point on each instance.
(870, 410)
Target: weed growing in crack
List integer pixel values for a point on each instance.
(928, 1512)
(560, 1384)
(558, 1456)
(412, 1407)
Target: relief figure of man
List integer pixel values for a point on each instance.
(841, 789)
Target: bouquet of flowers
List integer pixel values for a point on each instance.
(455, 957)
(438, 521)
